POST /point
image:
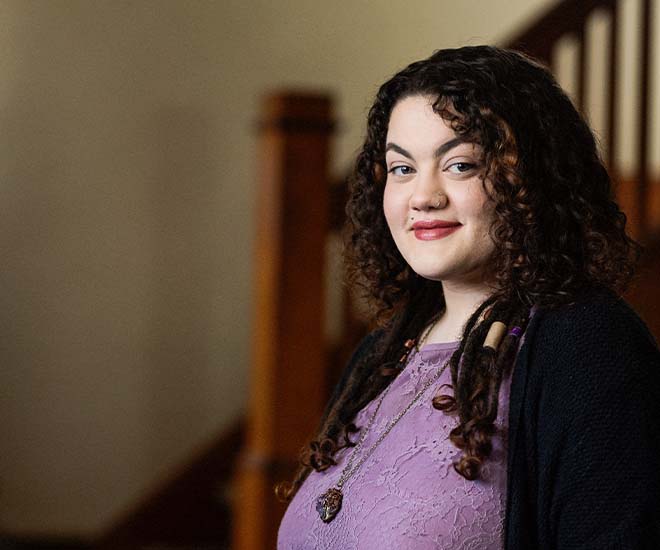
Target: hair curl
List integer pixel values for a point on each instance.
(557, 231)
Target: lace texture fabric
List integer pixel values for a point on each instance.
(407, 495)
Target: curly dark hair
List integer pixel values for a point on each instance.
(557, 231)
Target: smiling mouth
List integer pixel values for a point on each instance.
(433, 230)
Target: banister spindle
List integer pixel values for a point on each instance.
(612, 95)
(581, 67)
(644, 122)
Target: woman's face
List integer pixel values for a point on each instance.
(434, 201)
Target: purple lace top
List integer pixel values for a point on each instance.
(407, 495)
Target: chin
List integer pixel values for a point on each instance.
(432, 273)
(471, 275)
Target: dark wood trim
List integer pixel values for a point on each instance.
(9, 542)
(189, 501)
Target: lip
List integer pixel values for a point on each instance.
(431, 230)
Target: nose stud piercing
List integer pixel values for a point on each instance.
(441, 201)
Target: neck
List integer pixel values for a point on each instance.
(461, 300)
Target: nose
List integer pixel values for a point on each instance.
(428, 195)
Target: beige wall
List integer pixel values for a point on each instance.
(126, 228)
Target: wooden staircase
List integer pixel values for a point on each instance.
(226, 492)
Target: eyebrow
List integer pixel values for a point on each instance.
(436, 154)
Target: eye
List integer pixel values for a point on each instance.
(401, 170)
(461, 167)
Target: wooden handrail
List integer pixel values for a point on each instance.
(567, 17)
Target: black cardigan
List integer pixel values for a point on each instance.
(584, 430)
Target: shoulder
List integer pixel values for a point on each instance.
(596, 314)
(591, 412)
(599, 326)
(594, 352)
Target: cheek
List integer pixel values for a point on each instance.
(480, 208)
(391, 206)
(486, 222)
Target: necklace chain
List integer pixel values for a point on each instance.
(349, 470)
(329, 503)
(346, 474)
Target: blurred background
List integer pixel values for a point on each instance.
(137, 141)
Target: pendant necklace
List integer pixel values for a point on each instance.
(329, 503)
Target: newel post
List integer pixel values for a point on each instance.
(287, 387)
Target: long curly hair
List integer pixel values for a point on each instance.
(557, 231)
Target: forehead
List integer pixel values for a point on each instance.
(415, 113)
(414, 125)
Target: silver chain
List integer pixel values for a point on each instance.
(349, 470)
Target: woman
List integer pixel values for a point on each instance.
(510, 397)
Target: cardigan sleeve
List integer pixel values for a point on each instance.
(596, 388)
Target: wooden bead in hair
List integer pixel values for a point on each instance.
(495, 335)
